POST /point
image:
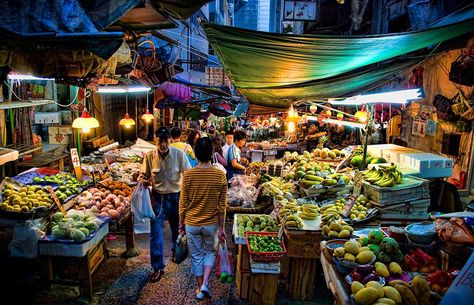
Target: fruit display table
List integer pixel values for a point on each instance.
(303, 252)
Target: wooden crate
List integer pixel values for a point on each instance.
(263, 289)
(242, 283)
(74, 270)
(302, 278)
(243, 258)
(303, 244)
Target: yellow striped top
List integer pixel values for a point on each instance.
(203, 196)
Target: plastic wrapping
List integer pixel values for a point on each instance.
(25, 239)
(141, 202)
(242, 191)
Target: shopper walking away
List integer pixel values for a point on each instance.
(229, 140)
(218, 155)
(187, 148)
(201, 213)
(193, 136)
(163, 167)
(235, 163)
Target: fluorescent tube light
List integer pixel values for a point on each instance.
(393, 97)
(338, 122)
(110, 89)
(26, 77)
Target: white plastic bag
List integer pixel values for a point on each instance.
(141, 202)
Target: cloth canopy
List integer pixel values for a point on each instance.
(269, 67)
(71, 24)
(180, 9)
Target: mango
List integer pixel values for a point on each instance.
(335, 226)
(386, 301)
(366, 296)
(392, 293)
(381, 269)
(339, 252)
(395, 268)
(344, 234)
(376, 286)
(365, 257)
(326, 229)
(349, 257)
(348, 228)
(351, 247)
(356, 287)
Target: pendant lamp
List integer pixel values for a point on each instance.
(85, 122)
(147, 117)
(127, 121)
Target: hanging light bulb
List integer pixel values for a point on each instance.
(340, 1)
(291, 127)
(328, 113)
(339, 116)
(291, 111)
(361, 116)
(147, 117)
(127, 121)
(313, 108)
(85, 122)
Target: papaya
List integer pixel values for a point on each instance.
(365, 257)
(376, 286)
(392, 293)
(308, 183)
(356, 286)
(313, 178)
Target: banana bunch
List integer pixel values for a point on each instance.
(329, 213)
(289, 209)
(309, 211)
(385, 176)
(294, 222)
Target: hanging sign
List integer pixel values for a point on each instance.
(300, 10)
(430, 128)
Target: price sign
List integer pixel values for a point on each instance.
(76, 162)
(357, 190)
(275, 211)
(56, 200)
(348, 206)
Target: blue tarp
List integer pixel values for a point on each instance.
(49, 22)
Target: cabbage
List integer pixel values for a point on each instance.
(91, 225)
(58, 216)
(78, 224)
(77, 235)
(85, 231)
(58, 233)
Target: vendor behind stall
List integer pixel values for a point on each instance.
(235, 163)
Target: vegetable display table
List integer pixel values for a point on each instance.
(303, 251)
(72, 263)
(334, 281)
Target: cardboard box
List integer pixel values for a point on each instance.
(60, 134)
(429, 165)
(303, 244)
(48, 118)
(98, 141)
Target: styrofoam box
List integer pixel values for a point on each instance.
(72, 249)
(48, 117)
(377, 150)
(393, 155)
(430, 165)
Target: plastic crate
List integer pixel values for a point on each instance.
(265, 256)
(419, 189)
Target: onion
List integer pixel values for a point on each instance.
(106, 210)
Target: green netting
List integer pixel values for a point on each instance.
(267, 67)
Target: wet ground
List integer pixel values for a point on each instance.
(124, 281)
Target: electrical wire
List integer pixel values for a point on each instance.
(22, 100)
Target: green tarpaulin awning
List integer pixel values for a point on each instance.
(269, 67)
